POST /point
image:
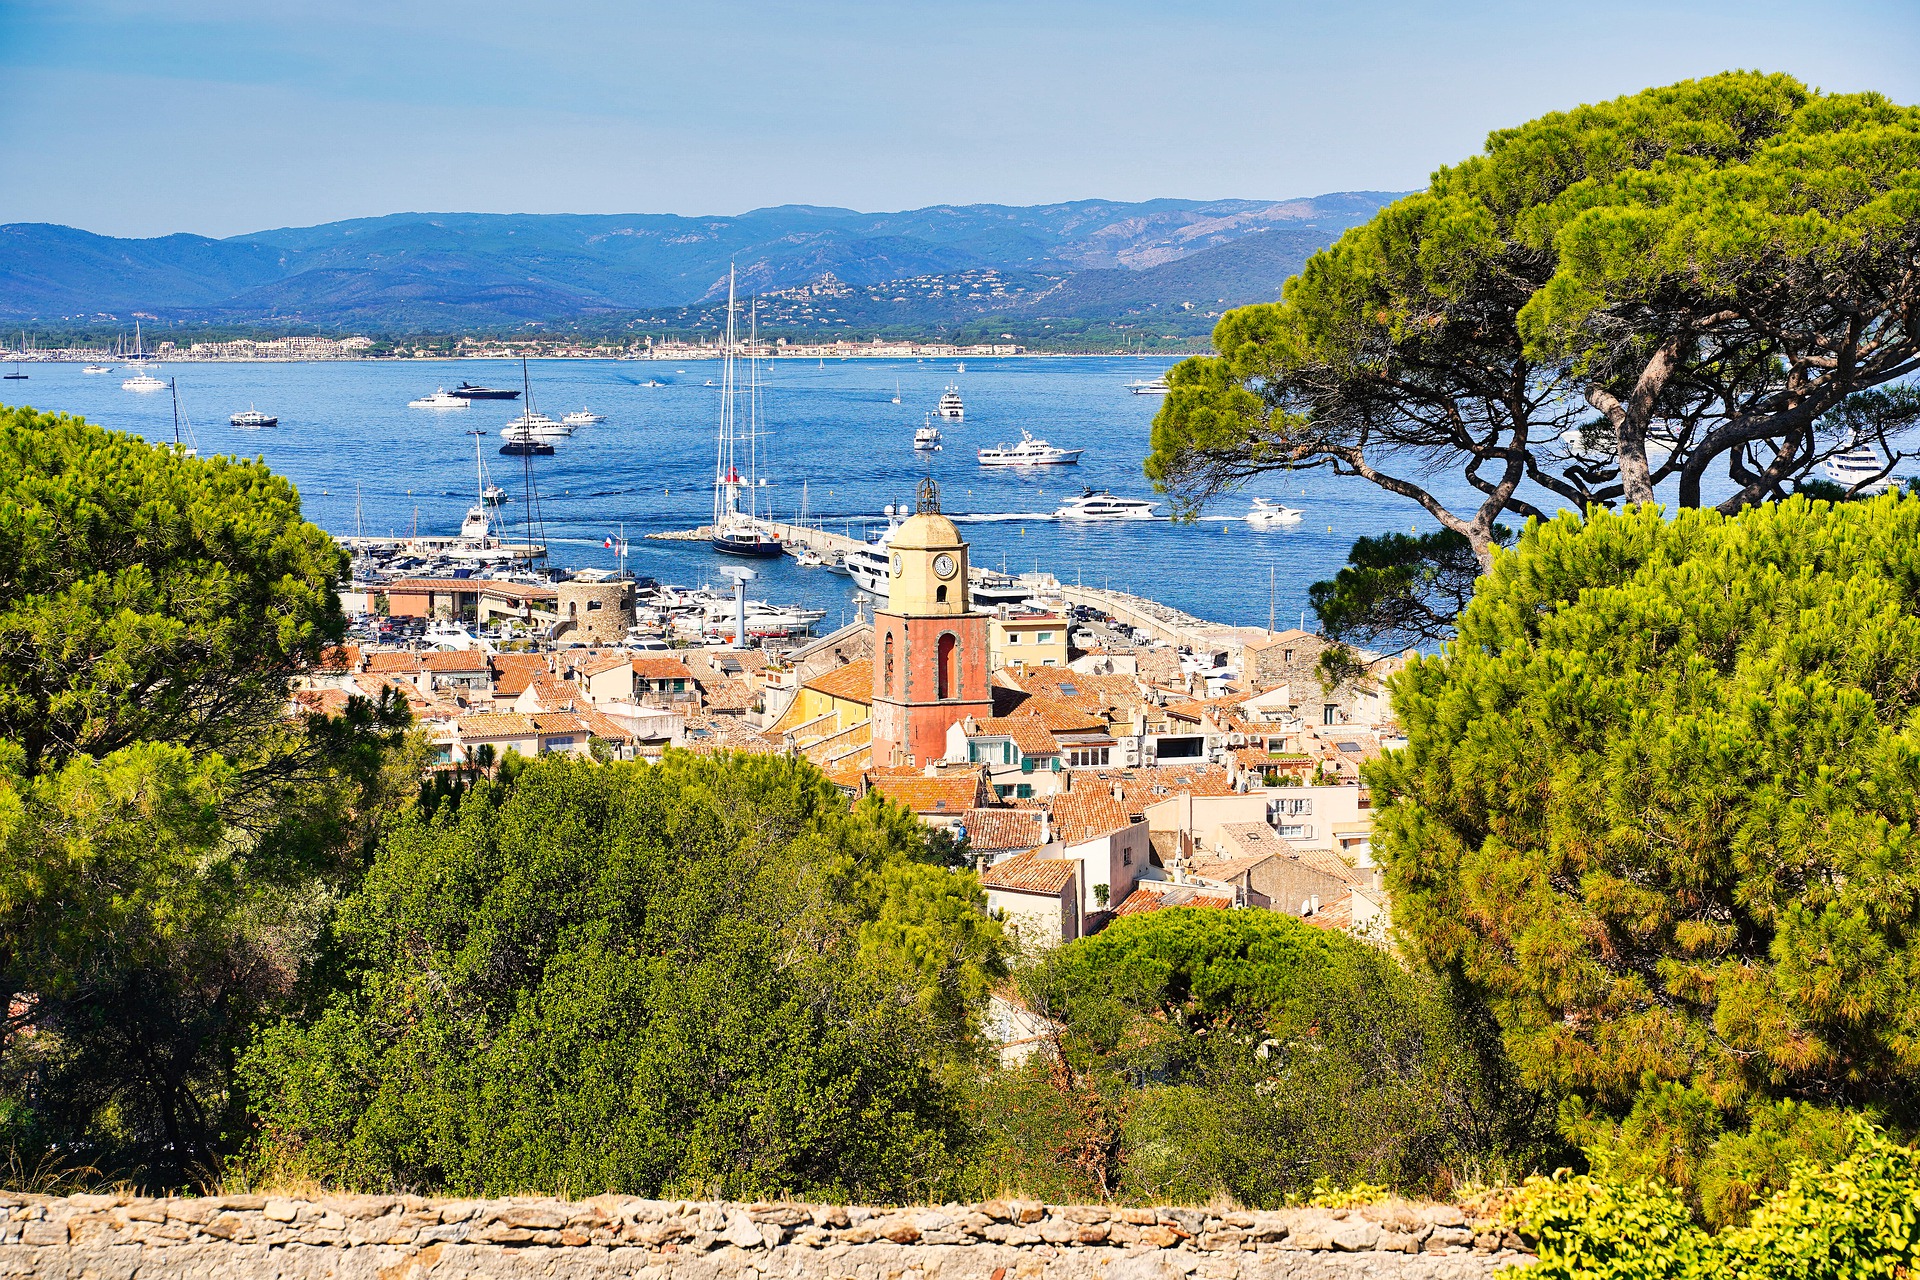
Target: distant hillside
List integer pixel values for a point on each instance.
(453, 272)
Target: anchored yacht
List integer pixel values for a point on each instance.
(1267, 514)
(534, 425)
(471, 392)
(950, 406)
(583, 418)
(927, 438)
(441, 399)
(1149, 387)
(252, 417)
(1101, 505)
(98, 368)
(1859, 469)
(1030, 452)
(869, 564)
(143, 381)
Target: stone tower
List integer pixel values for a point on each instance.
(929, 646)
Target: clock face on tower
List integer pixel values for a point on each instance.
(896, 564)
(943, 565)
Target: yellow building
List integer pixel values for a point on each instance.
(1027, 639)
(830, 720)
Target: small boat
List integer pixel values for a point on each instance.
(98, 368)
(1149, 387)
(583, 418)
(252, 417)
(1268, 515)
(896, 391)
(493, 495)
(810, 559)
(950, 406)
(962, 368)
(441, 399)
(1030, 452)
(16, 375)
(468, 391)
(526, 449)
(837, 565)
(1101, 505)
(927, 438)
(143, 381)
(1858, 469)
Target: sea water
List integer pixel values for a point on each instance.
(832, 438)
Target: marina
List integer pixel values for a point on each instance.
(835, 453)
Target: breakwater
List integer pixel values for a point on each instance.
(409, 1238)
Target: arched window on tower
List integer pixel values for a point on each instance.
(946, 662)
(940, 595)
(886, 679)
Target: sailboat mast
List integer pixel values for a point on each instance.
(724, 460)
(753, 409)
(173, 385)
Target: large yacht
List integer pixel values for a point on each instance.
(534, 425)
(1150, 387)
(98, 368)
(143, 381)
(441, 399)
(252, 417)
(950, 406)
(469, 391)
(1859, 465)
(1267, 514)
(869, 565)
(1030, 452)
(1101, 505)
(583, 418)
(927, 439)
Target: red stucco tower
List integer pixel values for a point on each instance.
(929, 647)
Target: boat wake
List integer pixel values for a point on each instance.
(997, 517)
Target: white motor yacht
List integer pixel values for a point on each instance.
(98, 368)
(493, 495)
(1859, 465)
(1149, 387)
(252, 417)
(441, 399)
(927, 439)
(143, 381)
(534, 425)
(1030, 452)
(583, 418)
(1267, 514)
(869, 565)
(950, 406)
(1101, 505)
(810, 559)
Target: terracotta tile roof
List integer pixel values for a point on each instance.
(1144, 900)
(392, 661)
(437, 584)
(453, 660)
(516, 590)
(707, 734)
(1337, 916)
(661, 669)
(528, 662)
(554, 694)
(1030, 873)
(949, 796)
(1291, 636)
(997, 829)
(339, 657)
(1330, 863)
(1028, 733)
(559, 722)
(496, 724)
(1087, 815)
(1059, 716)
(330, 702)
(851, 683)
(599, 664)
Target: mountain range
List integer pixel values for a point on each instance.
(431, 272)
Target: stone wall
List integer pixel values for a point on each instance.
(407, 1238)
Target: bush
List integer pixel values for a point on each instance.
(1204, 1051)
(1858, 1220)
(706, 976)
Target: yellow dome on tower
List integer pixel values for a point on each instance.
(927, 562)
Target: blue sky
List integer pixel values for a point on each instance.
(219, 117)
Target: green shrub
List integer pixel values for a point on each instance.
(1856, 1220)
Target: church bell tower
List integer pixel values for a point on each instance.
(929, 646)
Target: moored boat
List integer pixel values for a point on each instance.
(1030, 452)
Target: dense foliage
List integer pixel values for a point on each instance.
(706, 975)
(1399, 589)
(1688, 284)
(1201, 1052)
(166, 827)
(1658, 810)
(1856, 1220)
